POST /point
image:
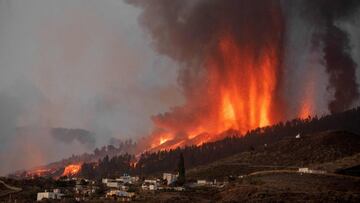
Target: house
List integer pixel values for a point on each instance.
(201, 182)
(106, 180)
(170, 178)
(113, 184)
(119, 193)
(298, 136)
(150, 185)
(123, 195)
(128, 179)
(307, 170)
(153, 187)
(49, 195)
(303, 170)
(179, 188)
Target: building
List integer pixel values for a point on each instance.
(49, 195)
(106, 180)
(150, 185)
(307, 170)
(123, 195)
(119, 193)
(113, 184)
(128, 179)
(201, 182)
(170, 178)
(179, 188)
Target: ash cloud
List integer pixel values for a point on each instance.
(315, 52)
(70, 135)
(189, 32)
(341, 67)
(75, 65)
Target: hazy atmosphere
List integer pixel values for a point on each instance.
(170, 71)
(179, 101)
(75, 64)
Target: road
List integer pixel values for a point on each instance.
(11, 188)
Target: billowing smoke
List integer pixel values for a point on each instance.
(227, 50)
(75, 65)
(70, 135)
(247, 64)
(243, 64)
(340, 65)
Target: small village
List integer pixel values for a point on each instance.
(130, 188)
(124, 188)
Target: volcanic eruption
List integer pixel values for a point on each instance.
(232, 71)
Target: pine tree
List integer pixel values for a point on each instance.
(181, 170)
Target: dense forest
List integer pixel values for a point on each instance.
(157, 162)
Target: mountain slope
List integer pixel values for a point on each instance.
(307, 150)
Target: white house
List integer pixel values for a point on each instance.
(201, 182)
(119, 193)
(150, 185)
(106, 180)
(113, 184)
(170, 178)
(307, 170)
(298, 136)
(124, 179)
(49, 195)
(153, 187)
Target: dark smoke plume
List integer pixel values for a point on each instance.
(189, 32)
(69, 135)
(336, 47)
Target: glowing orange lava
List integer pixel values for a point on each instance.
(38, 172)
(307, 105)
(240, 96)
(247, 93)
(71, 169)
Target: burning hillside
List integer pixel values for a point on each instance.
(55, 171)
(71, 170)
(242, 65)
(233, 71)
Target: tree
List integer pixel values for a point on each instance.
(181, 170)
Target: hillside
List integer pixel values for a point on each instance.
(292, 187)
(113, 161)
(289, 153)
(236, 142)
(273, 187)
(268, 173)
(6, 189)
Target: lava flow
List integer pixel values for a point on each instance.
(71, 170)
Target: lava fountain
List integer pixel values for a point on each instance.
(239, 92)
(233, 66)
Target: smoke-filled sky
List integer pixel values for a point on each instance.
(75, 64)
(270, 60)
(109, 66)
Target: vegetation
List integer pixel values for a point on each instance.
(107, 167)
(181, 170)
(233, 143)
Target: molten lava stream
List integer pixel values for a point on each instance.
(71, 170)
